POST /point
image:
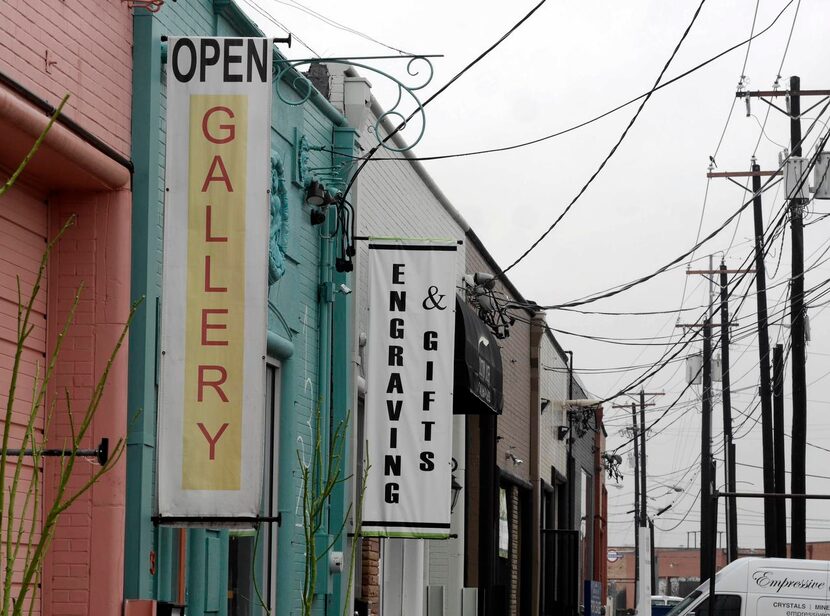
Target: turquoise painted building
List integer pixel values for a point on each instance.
(228, 572)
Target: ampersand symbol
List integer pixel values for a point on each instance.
(434, 299)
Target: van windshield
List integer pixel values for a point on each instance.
(681, 607)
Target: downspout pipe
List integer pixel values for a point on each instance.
(325, 311)
(48, 109)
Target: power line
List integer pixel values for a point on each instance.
(595, 118)
(452, 80)
(335, 24)
(264, 12)
(613, 149)
(420, 108)
(625, 287)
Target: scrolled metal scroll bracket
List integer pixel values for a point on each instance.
(286, 72)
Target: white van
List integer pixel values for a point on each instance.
(764, 587)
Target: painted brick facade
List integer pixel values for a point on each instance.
(48, 49)
(82, 573)
(553, 386)
(397, 199)
(54, 48)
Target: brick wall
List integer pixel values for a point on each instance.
(515, 550)
(23, 229)
(58, 47)
(393, 200)
(370, 571)
(83, 572)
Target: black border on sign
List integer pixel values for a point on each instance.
(411, 247)
(406, 524)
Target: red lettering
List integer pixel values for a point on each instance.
(206, 312)
(229, 128)
(209, 237)
(216, 384)
(212, 439)
(222, 177)
(209, 288)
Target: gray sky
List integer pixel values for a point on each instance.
(570, 62)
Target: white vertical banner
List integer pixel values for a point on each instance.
(409, 389)
(211, 408)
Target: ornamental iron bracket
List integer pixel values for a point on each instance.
(286, 72)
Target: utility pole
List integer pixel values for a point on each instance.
(729, 447)
(637, 511)
(708, 524)
(798, 483)
(643, 540)
(646, 575)
(770, 507)
(778, 448)
(706, 457)
(643, 485)
(799, 377)
(763, 366)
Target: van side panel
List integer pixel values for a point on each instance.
(799, 588)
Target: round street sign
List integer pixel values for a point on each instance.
(613, 556)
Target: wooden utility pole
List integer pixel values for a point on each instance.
(778, 448)
(728, 446)
(798, 353)
(770, 524)
(641, 519)
(706, 522)
(763, 366)
(637, 512)
(798, 482)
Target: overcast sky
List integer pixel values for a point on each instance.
(570, 62)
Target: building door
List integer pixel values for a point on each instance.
(23, 234)
(252, 554)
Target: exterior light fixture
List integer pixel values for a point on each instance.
(315, 194)
(454, 486)
(318, 216)
(165, 608)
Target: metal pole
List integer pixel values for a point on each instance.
(706, 455)
(799, 429)
(778, 448)
(729, 467)
(764, 356)
(636, 504)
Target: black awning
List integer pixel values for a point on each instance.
(478, 372)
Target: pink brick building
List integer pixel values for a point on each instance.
(49, 48)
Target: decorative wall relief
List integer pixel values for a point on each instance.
(278, 235)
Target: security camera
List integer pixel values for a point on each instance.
(480, 279)
(344, 289)
(486, 280)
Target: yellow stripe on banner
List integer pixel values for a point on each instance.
(215, 313)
